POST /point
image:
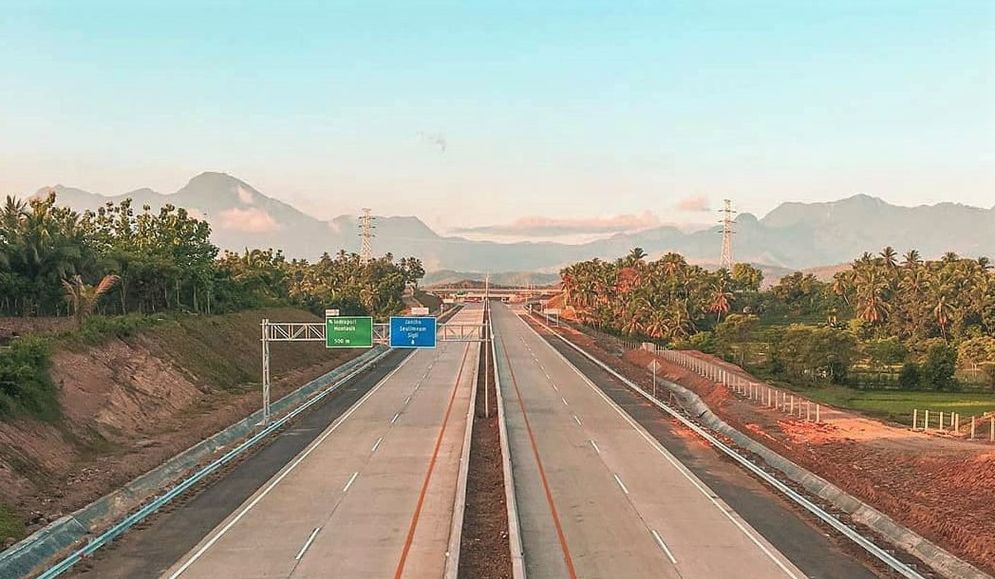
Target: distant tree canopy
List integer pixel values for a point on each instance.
(165, 261)
(882, 312)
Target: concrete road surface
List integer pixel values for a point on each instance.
(373, 495)
(597, 496)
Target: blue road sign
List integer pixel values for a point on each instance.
(412, 332)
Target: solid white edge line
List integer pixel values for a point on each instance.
(620, 483)
(663, 545)
(283, 473)
(712, 497)
(352, 479)
(307, 544)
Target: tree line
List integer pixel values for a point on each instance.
(920, 318)
(116, 260)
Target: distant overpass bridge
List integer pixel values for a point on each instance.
(502, 293)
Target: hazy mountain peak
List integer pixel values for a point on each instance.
(794, 235)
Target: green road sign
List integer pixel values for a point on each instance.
(349, 332)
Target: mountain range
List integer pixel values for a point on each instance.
(792, 236)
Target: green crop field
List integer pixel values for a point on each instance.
(897, 405)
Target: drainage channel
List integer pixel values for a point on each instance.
(484, 550)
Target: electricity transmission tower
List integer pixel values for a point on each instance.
(725, 260)
(366, 236)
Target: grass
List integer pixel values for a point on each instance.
(897, 405)
(10, 524)
(25, 386)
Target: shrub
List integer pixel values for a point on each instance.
(908, 378)
(25, 387)
(939, 367)
(989, 372)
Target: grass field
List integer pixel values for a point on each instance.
(10, 525)
(897, 405)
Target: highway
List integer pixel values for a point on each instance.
(597, 496)
(373, 496)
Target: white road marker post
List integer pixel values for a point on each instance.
(915, 417)
(817, 419)
(925, 422)
(972, 428)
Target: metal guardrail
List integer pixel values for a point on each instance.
(885, 557)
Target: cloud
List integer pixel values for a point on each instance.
(436, 140)
(551, 226)
(693, 203)
(245, 196)
(251, 220)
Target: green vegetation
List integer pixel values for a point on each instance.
(897, 405)
(150, 262)
(117, 271)
(10, 526)
(882, 323)
(25, 387)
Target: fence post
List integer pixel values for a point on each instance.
(941, 420)
(915, 417)
(972, 428)
(817, 413)
(925, 423)
(992, 436)
(957, 422)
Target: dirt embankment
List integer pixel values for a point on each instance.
(943, 489)
(130, 404)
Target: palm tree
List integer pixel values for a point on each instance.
(720, 300)
(83, 298)
(889, 255)
(911, 259)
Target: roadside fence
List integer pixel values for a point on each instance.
(756, 392)
(970, 427)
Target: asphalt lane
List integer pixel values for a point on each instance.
(598, 496)
(807, 545)
(371, 497)
(152, 547)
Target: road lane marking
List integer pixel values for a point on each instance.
(431, 467)
(663, 545)
(565, 403)
(310, 539)
(577, 420)
(620, 483)
(376, 445)
(406, 400)
(352, 479)
(595, 445)
(287, 470)
(393, 420)
(542, 471)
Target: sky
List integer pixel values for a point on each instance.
(506, 119)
